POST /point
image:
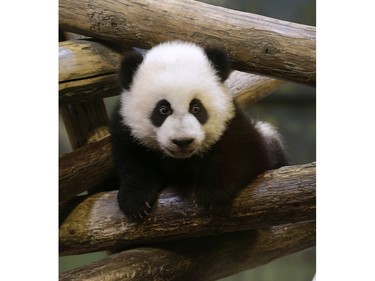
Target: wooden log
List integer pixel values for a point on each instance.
(205, 259)
(84, 59)
(85, 168)
(80, 64)
(86, 89)
(88, 70)
(83, 119)
(285, 195)
(250, 88)
(255, 43)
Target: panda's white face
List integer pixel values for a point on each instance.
(176, 102)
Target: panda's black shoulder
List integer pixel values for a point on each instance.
(124, 145)
(116, 126)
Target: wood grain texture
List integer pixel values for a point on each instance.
(200, 259)
(250, 88)
(87, 74)
(84, 59)
(85, 168)
(88, 70)
(285, 195)
(86, 89)
(255, 43)
(82, 119)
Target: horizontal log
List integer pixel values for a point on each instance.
(85, 59)
(85, 168)
(88, 70)
(200, 259)
(285, 195)
(85, 89)
(255, 43)
(250, 88)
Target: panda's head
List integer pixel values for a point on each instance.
(174, 100)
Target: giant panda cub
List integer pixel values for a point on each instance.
(177, 125)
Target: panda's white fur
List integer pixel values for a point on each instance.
(177, 72)
(268, 132)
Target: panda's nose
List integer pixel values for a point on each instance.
(182, 143)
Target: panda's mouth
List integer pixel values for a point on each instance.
(180, 152)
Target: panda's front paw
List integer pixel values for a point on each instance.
(136, 205)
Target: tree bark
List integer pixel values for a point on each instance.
(88, 70)
(82, 120)
(86, 58)
(86, 89)
(285, 195)
(199, 259)
(250, 88)
(85, 168)
(255, 43)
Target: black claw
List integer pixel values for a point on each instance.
(136, 204)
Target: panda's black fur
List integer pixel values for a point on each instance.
(215, 174)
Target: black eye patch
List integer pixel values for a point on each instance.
(198, 110)
(160, 112)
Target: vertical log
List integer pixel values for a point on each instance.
(82, 120)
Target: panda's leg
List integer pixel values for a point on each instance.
(140, 180)
(217, 187)
(138, 193)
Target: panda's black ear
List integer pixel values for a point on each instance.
(220, 61)
(128, 67)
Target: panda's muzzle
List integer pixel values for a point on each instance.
(182, 143)
(182, 148)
